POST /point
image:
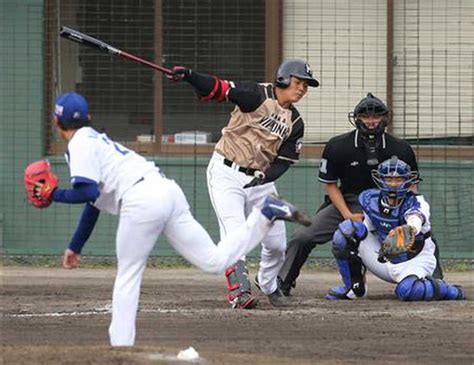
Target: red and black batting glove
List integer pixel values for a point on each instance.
(40, 183)
(179, 73)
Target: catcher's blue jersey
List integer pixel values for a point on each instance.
(380, 219)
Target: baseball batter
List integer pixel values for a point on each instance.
(261, 140)
(109, 177)
(393, 242)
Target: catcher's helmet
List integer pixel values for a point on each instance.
(393, 193)
(296, 68)
(370, 105)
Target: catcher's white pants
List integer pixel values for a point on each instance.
(421, 265)
(232, 204)
(154, 206)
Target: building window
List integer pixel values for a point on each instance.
(133, 103)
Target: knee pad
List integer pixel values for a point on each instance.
(412, 288)
(353, 230)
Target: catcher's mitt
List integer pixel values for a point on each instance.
(40, 183)
(398, 242)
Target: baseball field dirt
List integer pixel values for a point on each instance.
(56, 316)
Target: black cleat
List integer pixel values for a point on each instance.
(276, 299)
(285, 288)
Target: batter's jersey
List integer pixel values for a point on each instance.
(344, 159)
(92, 156)
(259, 129)
(380, 220)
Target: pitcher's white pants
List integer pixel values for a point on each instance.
(232, 204)
(154, 206)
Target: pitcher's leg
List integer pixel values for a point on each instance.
(135, 240)
(192, 241)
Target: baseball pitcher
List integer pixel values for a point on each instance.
(106, 176)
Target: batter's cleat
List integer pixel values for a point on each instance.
(244, 301)
(341, 292)
(276, 299)
(275, 208)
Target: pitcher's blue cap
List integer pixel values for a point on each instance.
(72, 110)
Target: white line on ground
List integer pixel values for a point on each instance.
(295, 311)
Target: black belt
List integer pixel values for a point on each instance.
(246, 170)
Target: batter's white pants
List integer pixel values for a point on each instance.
(154, 206)
(421, 265)
(232, 204)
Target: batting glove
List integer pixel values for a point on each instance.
(179, 73)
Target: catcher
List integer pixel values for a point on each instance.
(393, 242)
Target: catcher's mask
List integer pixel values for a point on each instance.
(394, 177)
(370, 105)
(296, 68)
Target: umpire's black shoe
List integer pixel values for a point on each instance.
(284, 287)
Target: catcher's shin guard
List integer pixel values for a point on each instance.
(351, 268)
(353, 276)
(238, 285)
(412, 288)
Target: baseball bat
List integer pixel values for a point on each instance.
(87, 40)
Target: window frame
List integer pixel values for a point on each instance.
(273, 57)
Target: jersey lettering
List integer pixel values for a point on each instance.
(276, 125)
(118, 147)
(323, 166)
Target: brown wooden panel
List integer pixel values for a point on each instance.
(273, 37)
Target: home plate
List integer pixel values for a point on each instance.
(190, 355)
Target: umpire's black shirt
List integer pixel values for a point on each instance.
(344, 158)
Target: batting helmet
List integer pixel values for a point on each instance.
(370, 105)
(392, 193)
(72, 111)
(296, 68)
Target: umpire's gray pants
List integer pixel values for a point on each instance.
(321, 230)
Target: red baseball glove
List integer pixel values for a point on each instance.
(40, 182)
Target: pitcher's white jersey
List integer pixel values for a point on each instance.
(93, 156)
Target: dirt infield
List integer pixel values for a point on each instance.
(55, 316)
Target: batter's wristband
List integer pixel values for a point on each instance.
(213, 91)
(224, 88)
